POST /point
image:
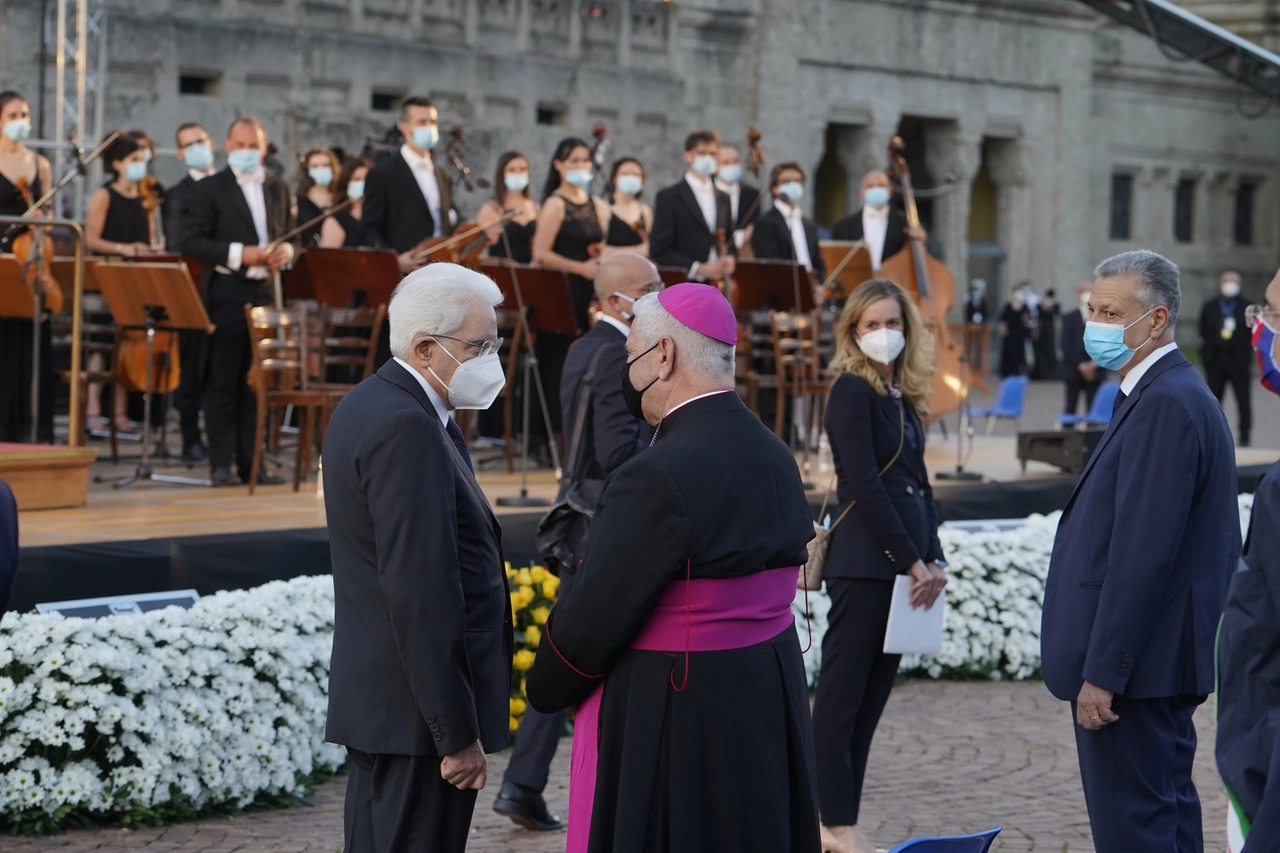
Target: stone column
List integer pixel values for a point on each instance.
(624, 33)
(1154, 227)
(575, 29)
(953, 158)
(1010, 171)
(861, 149)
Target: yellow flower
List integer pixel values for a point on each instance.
(513, 724)
(510, 571)
(524, 578)
(548, 588)
(523, 691)
(539, 574)
(553, 581)
(517, 602)
(532, 635)
(517, 706)
(540, 615)
(522, 660)
(526, 594)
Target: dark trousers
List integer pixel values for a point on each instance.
(230, 408)
(192, 351)
(1238, 374)
(853, 688)
(399, 804)
(1137, 777)
(1076, 384)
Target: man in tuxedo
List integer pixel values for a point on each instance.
(1141, 561)
(230, 225)
(1081, 373)
(687, 215)
(195, 149)
(884, 228)
(8, 545)
(421, 671)
(1226, 351)
(610, 436)
(408, 196)
(743, 198)
(783, 232)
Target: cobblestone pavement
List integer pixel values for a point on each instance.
(949, 757)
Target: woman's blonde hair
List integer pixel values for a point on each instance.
(914, 365)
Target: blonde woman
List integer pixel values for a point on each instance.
(884, 362)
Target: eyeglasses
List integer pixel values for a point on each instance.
(1255, 313)
(485, 347)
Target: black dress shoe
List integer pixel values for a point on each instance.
(222, 477)
(194, 453)
(269, 480)
(526, 808)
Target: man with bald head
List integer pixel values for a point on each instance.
(884, 229)
(609, 435)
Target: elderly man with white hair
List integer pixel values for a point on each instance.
(421, 669)
(676, 640)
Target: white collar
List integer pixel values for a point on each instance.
(875, 212)
(257, 176)
(617, 324)
(416, 160)
(441, 409)
(788, 212)
(698, 183)
(1135, 376)
(197, 175)
(726, 187)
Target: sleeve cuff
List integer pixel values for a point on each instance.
(235, 256)
(693, 271)
(739, 238)
(289, 248)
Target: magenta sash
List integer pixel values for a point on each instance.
(701, 615)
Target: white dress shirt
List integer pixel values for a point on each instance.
(424, 170)
(875, 227)
(704, 192)
(251, 185)
(197, 175)
(441, 408)
(1135, 376)
(795, 224)
(734, 192)
(617, 324)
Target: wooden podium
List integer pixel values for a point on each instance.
(772, 286)
(344, 278)
(544, 292)
(849, 265)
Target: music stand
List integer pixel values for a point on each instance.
(152, 296)
(545, 293)
(849, 262)
(21, 301)
(345, 277)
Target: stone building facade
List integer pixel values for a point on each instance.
(1060, 137)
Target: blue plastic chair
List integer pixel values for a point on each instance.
(979, 843)
(1099, 413)
(1009, 400)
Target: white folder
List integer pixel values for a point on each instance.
(913, 632)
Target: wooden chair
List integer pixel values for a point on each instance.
(348, 339)
(106, 346)
(799, 365)
(279, 376)
(753, 358)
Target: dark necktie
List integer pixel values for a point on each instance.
(459, 442)
(1120, 398)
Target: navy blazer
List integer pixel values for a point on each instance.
(895, 520)
(8, 545)
(1146, 546)
(422, 620)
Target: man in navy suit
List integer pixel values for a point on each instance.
(1140, 568)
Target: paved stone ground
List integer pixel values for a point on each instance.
(949, 757)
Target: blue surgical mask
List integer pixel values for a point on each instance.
(198, 155)
(18, 129)
(731, 174)
(579, 177)
(876, 196)
(425, 137)
(630, 184)
(135, 171)
(516, 181)
(355, 189)
(322, 175)
(1104, 342)
(791, 191)
(704, 165)
(245, 160)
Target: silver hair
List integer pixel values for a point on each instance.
(1157, 278)
(703, 355)
(435, 300)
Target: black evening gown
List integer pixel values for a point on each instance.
(307, 211)
(16, 336)
(623, 234)
(516, 242)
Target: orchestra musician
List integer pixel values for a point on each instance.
(346, 228)
(688, 214)
(742, 197)
(408, 196)
(232, 218)
(630, 219)
(20, 165)
(195, 150)
(884, 228)
(315, 189)
(783, 232)
(513, 238)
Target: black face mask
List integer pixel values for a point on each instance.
(630, 395)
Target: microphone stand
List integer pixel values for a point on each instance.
(964, 424)
(800, 362)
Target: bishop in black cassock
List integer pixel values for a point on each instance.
(676, 642)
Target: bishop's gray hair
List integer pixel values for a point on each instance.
(702, 355)
(435, 300)
(1156, 275)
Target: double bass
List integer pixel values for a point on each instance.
(131, 355)
(930, 282)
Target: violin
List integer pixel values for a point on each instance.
(41, 274)
(151, 201)
(930, 282)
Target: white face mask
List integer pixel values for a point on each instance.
(1230, 289)
(883, 345)
(476, 383)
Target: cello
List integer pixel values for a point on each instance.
(930, 282)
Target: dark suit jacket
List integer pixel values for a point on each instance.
(611, 435)
(1215, 352)
(422, 628)
(895, 236)
(1073, 351)
(894, 521)
(396, 214)
(1145, 547)
(747, 196)
(176, 199)
(680, 235)
(216, 216)
(772, 240)
(8, 545)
